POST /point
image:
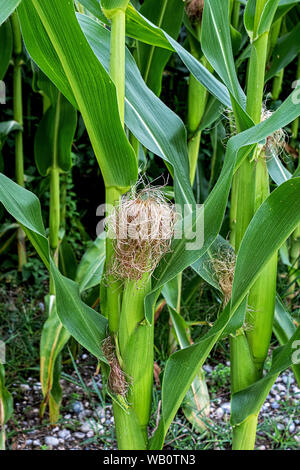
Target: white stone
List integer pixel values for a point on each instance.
(51, 441)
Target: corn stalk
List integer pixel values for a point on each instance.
(18, 117)
(249, 347)
(124, 304)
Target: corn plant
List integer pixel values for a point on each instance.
(86, 58)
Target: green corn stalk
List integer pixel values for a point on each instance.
(54, 224)
(52, 156)
(124, 306)
(112, 303)
(18, 117)
(135, 338)
(249, 348)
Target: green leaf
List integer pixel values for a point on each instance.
(170, 292)
(267, 17)
(152, 60)
(284, 327)
(6, 399)
(284, 7)
(249, 14)
(54, 137)
(213, 110)
(67, 259)
(6, 406)
(7, 8)
(53, 339)
(196, 403)
(90, 269)
(265, 21)
(277, 171)
(217, 47)
(9, 126)
(150, 127)
(15, 199)
(286, 49)
(96, 99)
(93, 6)
(6, 41)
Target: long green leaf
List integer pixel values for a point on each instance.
(216, 45)
(266, 233)
(92, 87)
(54, 338)
(196, 403)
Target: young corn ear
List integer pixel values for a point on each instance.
(142, 226)
(224, 266)
(194, 10)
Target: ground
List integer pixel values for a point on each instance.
(86, 421)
